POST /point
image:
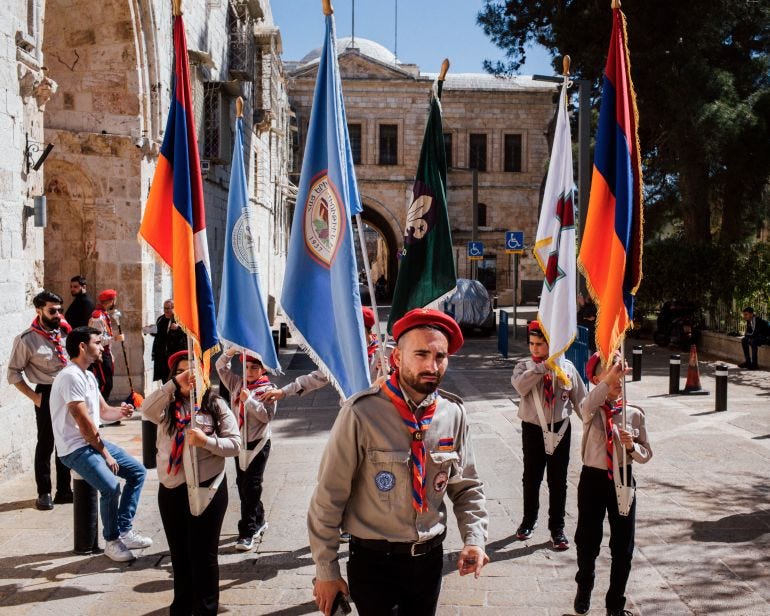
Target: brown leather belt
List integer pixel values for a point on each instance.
(392, 547)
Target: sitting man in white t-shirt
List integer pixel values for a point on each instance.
(76, 408)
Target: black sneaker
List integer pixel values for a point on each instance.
(582, 601)
(619, 612)
(560, 541)
(525, 531)
(44, 502)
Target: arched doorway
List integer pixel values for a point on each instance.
(382, 245)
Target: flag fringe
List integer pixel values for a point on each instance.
(225, 341)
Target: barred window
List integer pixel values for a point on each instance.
(388, 144)
(512, 153)
(478, 152)
(448, 148)
(354, 130)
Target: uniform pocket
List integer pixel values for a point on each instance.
(441, 468)
(389, 472)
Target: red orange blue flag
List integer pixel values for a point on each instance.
(174, 220)
(611, 248)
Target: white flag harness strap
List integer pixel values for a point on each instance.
(198, 496)
(624, 493)
(551, 439)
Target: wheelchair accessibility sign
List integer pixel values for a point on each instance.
(475, 251)
(514, 242)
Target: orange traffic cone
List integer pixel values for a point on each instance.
(692, 386)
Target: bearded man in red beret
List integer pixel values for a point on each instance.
(101, 320)
(394, 453)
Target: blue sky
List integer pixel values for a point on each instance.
(428, 31)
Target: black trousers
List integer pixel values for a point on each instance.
(536, 462)
(103, 370)
(45, 447)
(753, 342)
(596, 494)
(386, 584)
(250, 490)
(194, 546)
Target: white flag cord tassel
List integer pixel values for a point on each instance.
(199, 498)
(625, 493)
(381, 360)
(551, 439)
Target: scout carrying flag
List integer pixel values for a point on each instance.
(320, 293)
(174, 225)
(555, 246)
(242, 319)
(611, 248)
(427, 268)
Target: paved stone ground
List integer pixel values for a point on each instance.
(703, 529)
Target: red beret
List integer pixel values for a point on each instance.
(250, 358)
(107, 295)
(176, 357)
(534, 325)
(592, 365)
(368, 317)
(425, 316)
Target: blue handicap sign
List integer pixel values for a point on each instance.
(476, 249)
(514, 240)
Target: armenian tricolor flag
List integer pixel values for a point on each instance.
(174, 221)
(611, 249)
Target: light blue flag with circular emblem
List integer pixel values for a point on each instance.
(242, 319)
(320, 292)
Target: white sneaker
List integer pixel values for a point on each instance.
(260, 531)
(244, 544)
(134, 541)
(117, 551)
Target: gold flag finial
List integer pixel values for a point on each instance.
(565, 65)
(239, 107)
(327, 7)
(444, 69)
(177, 7)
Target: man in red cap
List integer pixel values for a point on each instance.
(604, 439)
(101, 320)
(394, 453)
(544, 409)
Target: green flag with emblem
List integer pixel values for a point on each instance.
(426, 269)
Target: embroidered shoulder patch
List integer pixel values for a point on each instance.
(446, 444)
(384, 481)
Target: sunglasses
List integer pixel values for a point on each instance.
(53, 311)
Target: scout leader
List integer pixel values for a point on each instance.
(393, 454)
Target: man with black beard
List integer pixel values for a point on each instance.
(394, 453)
(79, 311)
(38, 354)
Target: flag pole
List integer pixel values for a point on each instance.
(373, 298)
(193, 414)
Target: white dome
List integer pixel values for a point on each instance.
(365, 46)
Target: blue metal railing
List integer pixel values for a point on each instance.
(578, 352)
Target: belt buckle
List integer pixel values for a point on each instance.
(412, 548)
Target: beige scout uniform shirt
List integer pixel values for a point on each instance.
(226, 442)
(258, 414)
(527, 379)
(365, 481)
(593, 447)
(34, 356)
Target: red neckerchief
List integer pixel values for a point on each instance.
(181, 421)
(374, 344)
(53, 336)
(609, 412)
(417, 430)
(260, 386)
(547, 384)
(100, 312)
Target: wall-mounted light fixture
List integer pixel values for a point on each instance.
(31, 149)
(39, 210)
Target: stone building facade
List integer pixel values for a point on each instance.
(495, 125)
(113, 67)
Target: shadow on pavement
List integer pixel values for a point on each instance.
(736, 528)
(17, 505)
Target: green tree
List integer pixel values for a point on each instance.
(702, 77)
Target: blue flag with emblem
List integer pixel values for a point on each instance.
(320, 292)
(242, 317)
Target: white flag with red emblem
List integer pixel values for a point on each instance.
(555, 249)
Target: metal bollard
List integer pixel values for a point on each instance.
(275, 340)
(637, 364)
(149, 436)
(284, 333)
(721, 378)
(85, 508)
(674, 364)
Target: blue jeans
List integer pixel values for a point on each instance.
(117, 511)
